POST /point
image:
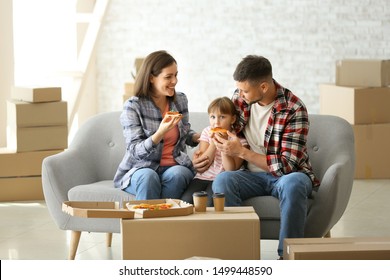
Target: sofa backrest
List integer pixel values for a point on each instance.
(102, 139)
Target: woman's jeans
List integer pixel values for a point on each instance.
(292, 190)
(166, 182)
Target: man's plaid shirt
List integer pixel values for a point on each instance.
(286, 133)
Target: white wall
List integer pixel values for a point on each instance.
(302, 39)
(6, 64)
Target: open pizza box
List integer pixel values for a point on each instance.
(92, 209)
(177, 207)
(96, 209)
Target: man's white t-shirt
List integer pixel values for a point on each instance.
(254, 130)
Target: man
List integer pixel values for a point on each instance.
(275, 123)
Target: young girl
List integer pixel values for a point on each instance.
(222, 115)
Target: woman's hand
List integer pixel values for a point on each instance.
(166, 124)
(200, 161)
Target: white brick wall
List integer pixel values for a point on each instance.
(302, 39)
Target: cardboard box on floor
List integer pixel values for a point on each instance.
(25, 114)
(27, 139)
(356, 104)
(13, 164)
(344, 248)
(36, 94)
(21, 188)
(371, 142)
(363, 72)
(233, 234)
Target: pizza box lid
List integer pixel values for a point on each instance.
(96, 209)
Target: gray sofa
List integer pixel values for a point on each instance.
(85, 170)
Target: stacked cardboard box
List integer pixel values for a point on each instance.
(361, 96)
(36, 128)
(129, 86)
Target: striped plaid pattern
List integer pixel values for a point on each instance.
(140, 119)
(286, 133)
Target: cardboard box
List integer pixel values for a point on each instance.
(233, 234)
(91, 209)
(13, 164)
(129, 89)
(26, 139)
(371, 142)
(363, 72)
(36, 94)
(138, 63)
(25, 114)
(21, 188)
(345, 248)
(355, 104)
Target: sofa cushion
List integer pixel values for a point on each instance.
(99, 191)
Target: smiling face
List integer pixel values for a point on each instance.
(164, 83)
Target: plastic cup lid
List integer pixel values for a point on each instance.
(218, 195)
(203, 193)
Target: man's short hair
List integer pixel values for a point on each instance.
(254, 69)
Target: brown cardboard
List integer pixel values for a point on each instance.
(25, 114)
(92, 209)
(21, 188)
(36, 94)
(185, 209)
(345, 248)
(371, 160)
(356, 104)
(138, 63)
(233, 234)
(129, 89)
(363, 72)
(13, 164)
(26, 139)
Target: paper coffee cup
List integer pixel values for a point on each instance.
(200, 201)
(219, 201)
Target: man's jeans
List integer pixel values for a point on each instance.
(167, 182)
(292, 190)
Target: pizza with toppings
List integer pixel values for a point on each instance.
(147, 206)
(218, 130)
(173, 113)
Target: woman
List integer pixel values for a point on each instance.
(155, 164)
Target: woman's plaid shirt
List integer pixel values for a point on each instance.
(140, 119)
(286, 133)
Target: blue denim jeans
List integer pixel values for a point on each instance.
(166, 182)
(292, 190)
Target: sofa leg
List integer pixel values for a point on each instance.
(109, 239)
(327, 235)
(74, 243)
